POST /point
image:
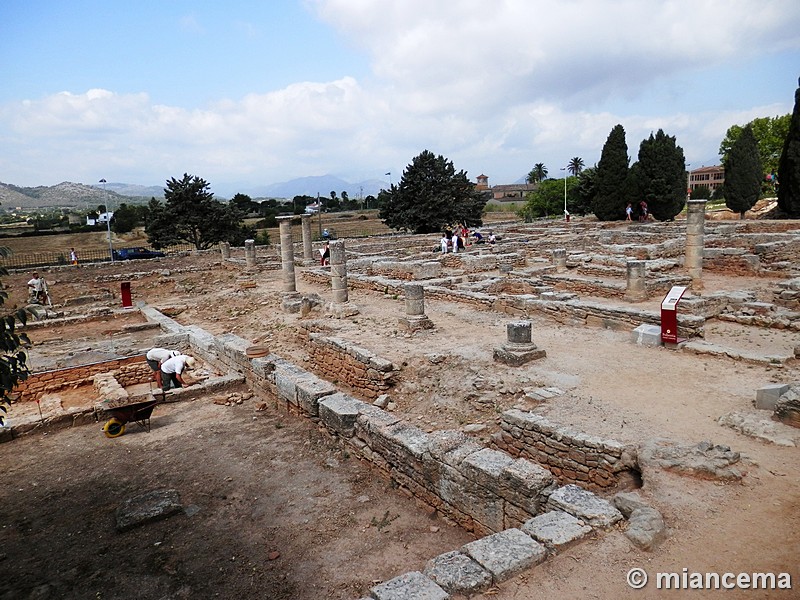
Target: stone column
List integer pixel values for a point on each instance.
(287, 254)
(225, 248)
(250, 253)
(636, 290)
(415, 318)
(305, 222)
(695, 224)
(338, 272)
(340, 307)
(519, 349)
(560, 259)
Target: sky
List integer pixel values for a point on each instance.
(250, 93)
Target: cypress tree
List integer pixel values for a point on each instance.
(743, 173)
(789, 165)
(662, 175)
(610, 177)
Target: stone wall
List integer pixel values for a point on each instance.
(571, 456)
(344, 363)
(135, 370)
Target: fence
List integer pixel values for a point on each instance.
(30, 260)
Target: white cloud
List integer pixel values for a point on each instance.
(495, 87)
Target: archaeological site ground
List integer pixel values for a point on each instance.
(530, 419)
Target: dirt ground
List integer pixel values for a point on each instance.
(281, 513)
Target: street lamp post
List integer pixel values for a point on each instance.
(566, 217)
(108, 221)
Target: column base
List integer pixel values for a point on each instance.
(417, 323)
(341, 310)
(516, 356)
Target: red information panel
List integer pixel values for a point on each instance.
(669, 314)
(125, 288)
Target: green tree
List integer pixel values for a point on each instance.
(662, 175)
(575, 165)
(244, 204)
(770, 134)
(537, 174)
(700, 192)
(789, 167)
(581, 203)
(743, 173)
(610, 177)
(13, 358)
(430, 196)
(191, 215)
(548, 199)
(125, 219)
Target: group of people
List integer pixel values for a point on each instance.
(459, 239)
(168, 367)
(644, 213)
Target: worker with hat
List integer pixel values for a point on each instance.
(172, 370)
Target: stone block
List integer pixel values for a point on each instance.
(486, 467)
(768, 395)
(647, 335)
(309, 390)
(410, 586)
(646, 528)
(146, 508)
(556, 529)
(506, 553)
(584, 505)
(338, 412)
(457, 573)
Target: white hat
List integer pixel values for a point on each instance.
(190, 362)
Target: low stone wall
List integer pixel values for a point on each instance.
(571, 456)
(48, 382)
(339, 361)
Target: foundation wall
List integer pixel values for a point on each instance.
(571, 456)
(132, 370)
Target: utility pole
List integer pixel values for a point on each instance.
(108, 221)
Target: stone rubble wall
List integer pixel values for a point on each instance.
(601, 465)
(47, 382)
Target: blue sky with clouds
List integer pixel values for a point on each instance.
(252, 93)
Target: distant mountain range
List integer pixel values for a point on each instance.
(82, 196)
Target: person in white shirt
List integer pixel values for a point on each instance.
(455, 242)
(156, 356)
(444, 243)
(173, 368)
(36, 288)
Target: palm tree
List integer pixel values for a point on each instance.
(575, 166)
(537, 174)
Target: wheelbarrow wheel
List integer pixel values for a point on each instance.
(114, 428)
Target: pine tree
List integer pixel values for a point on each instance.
(743, 173)
(431, 196)
(609, 179)
(789, 166)
(662, 175)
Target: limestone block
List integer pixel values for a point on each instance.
(410, 585)
(309, 390)
(457, 573)
(338, 412)
(506, 553)
(787, 409)
(646, 528)
(768, 395)
(556, 529)
(486, 467)
(584, 505)
(627, 502)
(647, 335)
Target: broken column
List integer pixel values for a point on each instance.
(560, 259)
(637, 288)
(305, 223)
(250, 253)
(519, 349)
(291, 299)
(225, 248)
(695, 224)
(340, 306)
(415, 318)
